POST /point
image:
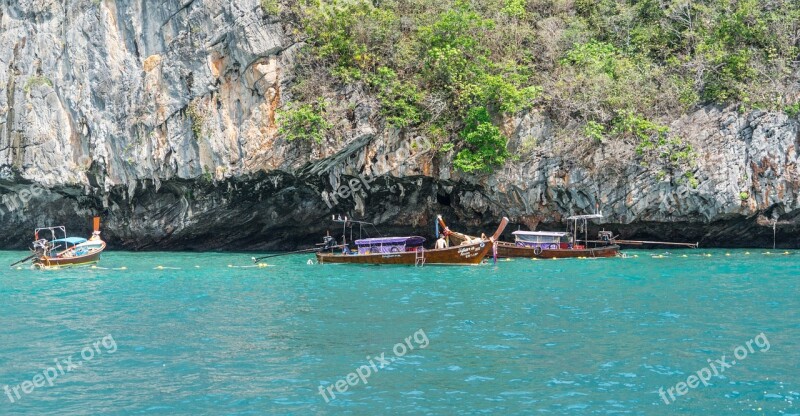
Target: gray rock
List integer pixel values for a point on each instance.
(160, 116)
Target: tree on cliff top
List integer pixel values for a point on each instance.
(431, 65)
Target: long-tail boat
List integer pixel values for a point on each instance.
(408, 250)
(62, 251)
(548, 244)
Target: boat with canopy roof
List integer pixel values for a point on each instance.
(59, 250)
(403, 250)
(550, 244)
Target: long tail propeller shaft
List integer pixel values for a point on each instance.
(308, 250)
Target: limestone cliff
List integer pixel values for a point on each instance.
(160, 116)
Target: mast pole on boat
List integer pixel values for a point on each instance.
(574, 232)
(585, 229)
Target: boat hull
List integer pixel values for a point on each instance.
(463, 254)
(59, 261)
(512, 250)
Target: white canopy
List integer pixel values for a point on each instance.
(585, 217)
(540, 233)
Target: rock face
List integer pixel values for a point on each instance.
(160, 117)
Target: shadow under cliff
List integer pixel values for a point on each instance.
(278, 211)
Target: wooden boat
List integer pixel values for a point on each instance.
(63, 251)
(548, 244)
(553, 250)
(410, 250)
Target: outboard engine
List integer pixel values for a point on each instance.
(42, 247)
(328, 242)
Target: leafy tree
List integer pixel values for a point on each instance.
(305, 121)
(486, 145)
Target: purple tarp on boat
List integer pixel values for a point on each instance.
(388, 244)
(410, 241)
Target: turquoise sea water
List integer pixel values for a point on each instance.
(600, 336)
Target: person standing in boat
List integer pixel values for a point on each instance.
(441, 242)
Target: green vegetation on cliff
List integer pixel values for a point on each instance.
(457, 71)
(304, 121)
